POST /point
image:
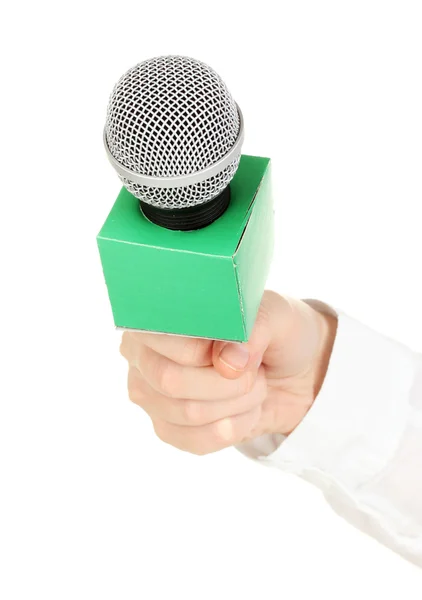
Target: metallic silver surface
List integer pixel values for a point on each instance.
(181, 180)
(173, 132)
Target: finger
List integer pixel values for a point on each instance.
(193, 352)
(191, 413)
(227, 357)
(192, 383)
(284, 338)
(209, 438)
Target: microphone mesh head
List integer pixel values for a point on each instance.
(172, 116)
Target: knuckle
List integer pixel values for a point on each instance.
(167, 379)
(223, 432)
(135, 394)
(192, 412)
(124, 346)
(189, 351)
(161, 432)
(193, 352)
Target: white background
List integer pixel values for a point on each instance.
(92, 505)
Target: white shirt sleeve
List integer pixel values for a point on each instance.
(361, 442)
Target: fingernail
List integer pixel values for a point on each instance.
(235, 356)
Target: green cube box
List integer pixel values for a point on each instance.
(206, 283)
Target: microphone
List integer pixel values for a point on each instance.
(174, 135)
(187, 245)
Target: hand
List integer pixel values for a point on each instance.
(205, 395)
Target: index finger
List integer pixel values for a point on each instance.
(186, 351)
(190, 383)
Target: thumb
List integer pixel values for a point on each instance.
(232, 359)
(281, 339)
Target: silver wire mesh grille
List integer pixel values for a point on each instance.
(172, 116)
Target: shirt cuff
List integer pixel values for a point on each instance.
(355, 424)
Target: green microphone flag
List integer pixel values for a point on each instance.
(205, 283)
